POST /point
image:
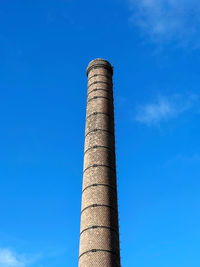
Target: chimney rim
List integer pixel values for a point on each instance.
(99, 63)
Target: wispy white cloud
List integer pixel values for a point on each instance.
(168, 20)
(10, 259)
(165, 108)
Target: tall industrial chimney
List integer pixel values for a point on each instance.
(99, 236)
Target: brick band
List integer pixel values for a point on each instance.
(101, 130)
(102, 75)
(98, 89)
(93, 185)
(100, 113)
(95, 97)
(101, 227)
(109, 84)
(100, 64)
(99, 205)
(99, 165)
(100, 250)
(105, 147)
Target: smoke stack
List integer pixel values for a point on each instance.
(99, 234)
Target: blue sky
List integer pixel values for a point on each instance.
(45, 47)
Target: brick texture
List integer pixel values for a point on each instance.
(99, 234)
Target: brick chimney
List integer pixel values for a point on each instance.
(99, 234)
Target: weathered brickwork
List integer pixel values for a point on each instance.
(99, 234)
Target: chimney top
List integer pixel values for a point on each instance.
(99, 63)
